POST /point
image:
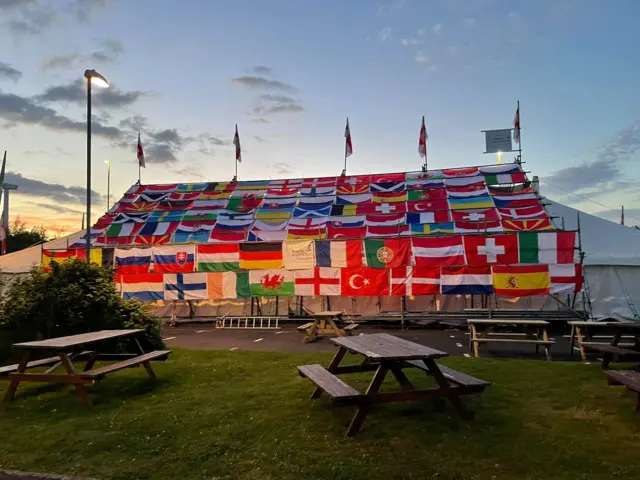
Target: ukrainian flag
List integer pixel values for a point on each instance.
(432, 228)
(483, 201)
(274, 214)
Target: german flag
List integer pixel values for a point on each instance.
(260, 256)
(533, 224)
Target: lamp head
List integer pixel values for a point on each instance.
(96, 79)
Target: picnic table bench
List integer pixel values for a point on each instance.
(329, 322)
(628, 378)
(384, 353)
(533, 332)
(583, 333)
(65, 349)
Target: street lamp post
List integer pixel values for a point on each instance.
(108, 182)
(98, 80)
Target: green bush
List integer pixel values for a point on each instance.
(74, 297)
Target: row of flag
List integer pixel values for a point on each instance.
(511, 281)
(476, 250)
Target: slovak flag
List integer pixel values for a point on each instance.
(422, 142)
(348, 146)
(516, 125)
(236, 142)
(140, 154)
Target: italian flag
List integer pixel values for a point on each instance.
(546, 247)
(504, 178)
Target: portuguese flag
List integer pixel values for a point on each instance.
(521, 281)
(387, 253)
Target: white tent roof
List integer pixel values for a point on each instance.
(23, 260)
(604, 242)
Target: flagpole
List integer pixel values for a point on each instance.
(139, 172)
(519, 135)
(346, 145)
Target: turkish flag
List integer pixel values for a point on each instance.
(346, 232)
(364, 281)
(388, 177)
(491, 249)
(419, 206)
(460, 172)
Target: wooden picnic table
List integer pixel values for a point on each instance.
(329, 322)
(66, 352)
(533, 332)
(384, 353)
(583, 333)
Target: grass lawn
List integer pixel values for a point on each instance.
(247, 415)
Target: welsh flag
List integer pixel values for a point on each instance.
(268, 283)
(387, 253)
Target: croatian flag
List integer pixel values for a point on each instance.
(185, 286)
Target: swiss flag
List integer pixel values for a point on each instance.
(493, 249)
(410, 281)
(354, 180)
(346, 232)
(483, 215)
(419, 206)
(364, 281)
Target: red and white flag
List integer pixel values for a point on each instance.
(140, 154)
(438, 251)
(348, 146)
(236, 142)
(516, 125)
(410, 281)
(422, 142)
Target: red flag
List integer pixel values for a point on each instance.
(438, 251)
(140, 154)
(486, 250)
(410, 281)
(364, 281)
(236, 142)
(622, 216)
(348, 147)
(422, 142)
(516, 125)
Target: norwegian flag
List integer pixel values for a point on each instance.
(516, 125)
(422, 142)
(140, 154)
(348, 146)
(236, 142)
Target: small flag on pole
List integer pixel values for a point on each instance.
(236, 142)
(140, 154)
(422, 142)
(516, 126)
(348, 147)
(622, 216)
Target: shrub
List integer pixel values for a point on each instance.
(74, 297)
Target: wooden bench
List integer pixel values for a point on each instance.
(97, 373)
(454, 376)
(351, 327)
(43, 362)
(628, 378)
(329, 383)
(535, 333)
(610, 351)
(305, 326)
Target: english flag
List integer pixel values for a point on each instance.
(236, 142)
(422, 142)
(516, 125)
(348, 146)
(140, 154)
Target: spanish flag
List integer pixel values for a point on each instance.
(59, 256)
(521, 281)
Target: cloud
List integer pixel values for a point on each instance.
(213, 140)
(270, 104)
(137, 123)
(83, 9)
(56, 208)
(421, 57)
(20, 110)
(9, 4)
(587, 175)
(160, 153)
(411, 41)
(259, 120)
(261, 83)
(384, 34)
(189, 171)
(437, 29)
(387, 8)
(8, 71)
(54, 191)
(625, 143)
(259, 139)
(282, 168)
(75, 92)
(108, 52)
(31, 19)
(260, 70)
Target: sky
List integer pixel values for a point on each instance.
(288, 73)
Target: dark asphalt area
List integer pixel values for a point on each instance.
(287, 339)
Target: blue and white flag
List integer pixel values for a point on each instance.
(185, 286)
(311, 210)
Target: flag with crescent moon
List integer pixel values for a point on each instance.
(364, 281)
